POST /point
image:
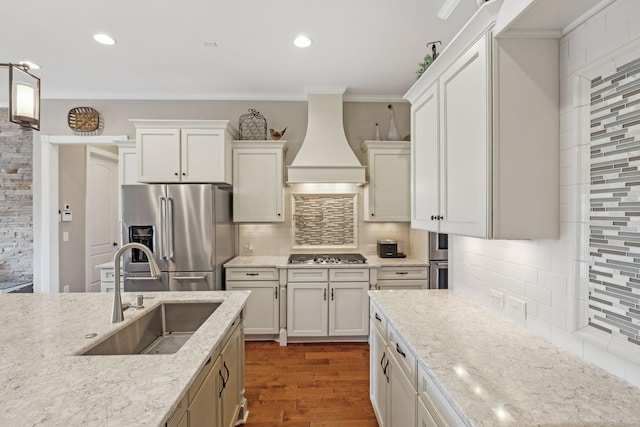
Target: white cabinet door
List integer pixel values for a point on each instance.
(158, 155)
(202, 155)
(424, 418)
(307, 309)
(348, 308)
(258, 185)
(231, 372)
(425, 155)
(202, 409)
(402, 395)
(378, 361)
(466, 160)
(263, 306)
(388, 195)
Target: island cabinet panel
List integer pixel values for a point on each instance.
(231, 375)
(485, 136)
(204, 409)
(402, 395)
(378, 368)
(424, 417)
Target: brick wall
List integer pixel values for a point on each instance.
(16, 200)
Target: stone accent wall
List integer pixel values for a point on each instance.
(16, 200)
(324, 220)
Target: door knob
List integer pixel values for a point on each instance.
(115, 244)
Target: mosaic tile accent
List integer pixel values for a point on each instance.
(324, 220)
(614, 237)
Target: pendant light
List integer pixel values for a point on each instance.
(24, 97)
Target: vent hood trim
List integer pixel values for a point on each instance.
(325, 155)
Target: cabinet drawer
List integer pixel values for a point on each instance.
(349, 275)
(406, 359)
(402, 273)
(402, 284)
(307, 275)
(378, 318)
(107, 275)
(252, 273)
(439, 408)
(202, 375)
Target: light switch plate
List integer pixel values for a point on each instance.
(497, 298)
(516, 308)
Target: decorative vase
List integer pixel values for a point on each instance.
(377, 138)
(393, 134)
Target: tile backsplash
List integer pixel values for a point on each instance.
(326, 221)
(614, 217)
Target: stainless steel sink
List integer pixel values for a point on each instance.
(162, 330)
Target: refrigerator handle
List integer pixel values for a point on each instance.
(170, 227)
(163, 228)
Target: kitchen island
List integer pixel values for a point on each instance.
(46, 382)
(488, 371)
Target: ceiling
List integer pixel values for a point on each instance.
(225, 49)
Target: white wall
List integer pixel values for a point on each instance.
(549, 274)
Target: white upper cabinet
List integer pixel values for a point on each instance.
(387, 195)
(258, 181)
(196, 151)
(485, 136)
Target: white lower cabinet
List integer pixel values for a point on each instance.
(393, 375)
(414, 277)
(216, 397)
(401, 390)
(262, 313)
(322, 302)
(424, 418)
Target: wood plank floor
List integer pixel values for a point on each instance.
(308, 385)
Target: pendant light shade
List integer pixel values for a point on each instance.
(24, 97)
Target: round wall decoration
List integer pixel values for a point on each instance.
(83, 119)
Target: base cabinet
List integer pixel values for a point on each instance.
(414, 277)
(262, 313)
(424, 418)
(327, 302)
(402, 395)
(378, 381)
(216, 398)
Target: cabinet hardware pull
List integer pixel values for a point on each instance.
(382, 362)
(378, 318)
(276, 290)
(176, 173)
(208, 361)
(223, 384)
(372, 214)
(400, 351)
(226, 368)
(402, 272)
(331, 294)
(433, 217)
(324, 296)
(386, 371)
(251, 274)
(278, 214)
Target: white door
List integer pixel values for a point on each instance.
(101, 213)
(348, 309)
(425, 170)
(464, 89)
(307, 309)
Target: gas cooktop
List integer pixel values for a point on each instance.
(323, 259)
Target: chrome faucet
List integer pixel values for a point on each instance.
(118, 308)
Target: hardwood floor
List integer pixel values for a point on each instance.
(308, 385)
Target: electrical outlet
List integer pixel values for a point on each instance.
(66, 289)
(516, 308)
(65, 236)
(497, 298)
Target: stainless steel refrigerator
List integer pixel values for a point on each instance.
(189, 229)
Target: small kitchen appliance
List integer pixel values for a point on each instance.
(389, 249)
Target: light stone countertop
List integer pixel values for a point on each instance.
(44, 383)
(487, 366)
(373, 261)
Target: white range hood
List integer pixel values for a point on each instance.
(325, 155)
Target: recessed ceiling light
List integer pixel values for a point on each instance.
(210, 44)
(30, 65)
(302, 41)
(104, 39)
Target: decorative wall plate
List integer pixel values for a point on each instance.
(83, 119)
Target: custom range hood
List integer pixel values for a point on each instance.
(325, 155)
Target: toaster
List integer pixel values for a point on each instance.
(389, 249)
